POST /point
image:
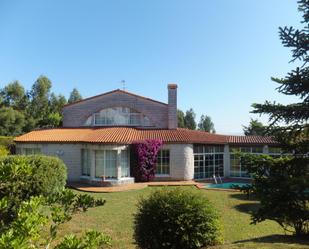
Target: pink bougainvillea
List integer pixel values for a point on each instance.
(146, 154)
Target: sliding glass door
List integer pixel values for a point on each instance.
(106, 163)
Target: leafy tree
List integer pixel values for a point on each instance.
(282, 186)
(56, 103)
(190, 120)
(14, 95)
(74, 96)
(294, 133)
(206, 124)
(11, 121)
(255, 128)
(39, 105)
(181, 119)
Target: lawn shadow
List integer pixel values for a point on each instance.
(243, 197)
(277, 238)
(248, 208)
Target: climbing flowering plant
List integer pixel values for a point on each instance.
(146, 154)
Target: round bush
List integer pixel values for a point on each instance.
(22, 177)
(175, 218)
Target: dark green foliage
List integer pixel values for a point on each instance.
(174, 218)
(206, 124)
(24, 176)
(74, 96)
(189, 120)
(22, 111)
(282, 186)
(14, 95)
(11, 121)
(181, 119)
(255, 128)
(294, 134)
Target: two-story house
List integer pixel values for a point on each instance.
(97, 132)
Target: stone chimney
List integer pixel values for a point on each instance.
(172, 106)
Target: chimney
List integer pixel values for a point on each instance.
(172, 106)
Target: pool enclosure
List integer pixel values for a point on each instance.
(223, 161)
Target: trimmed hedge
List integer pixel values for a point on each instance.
(174, 218)
(22, 177)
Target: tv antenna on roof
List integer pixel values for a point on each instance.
(123, 82)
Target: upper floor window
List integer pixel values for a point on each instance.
(118, 116)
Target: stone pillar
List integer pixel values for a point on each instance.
(172, 106)
(227, 161)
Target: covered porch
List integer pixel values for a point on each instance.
(105, 165)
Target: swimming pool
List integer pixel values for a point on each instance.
(226, 185)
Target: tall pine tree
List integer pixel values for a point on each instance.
(289, 123)
(281, 184)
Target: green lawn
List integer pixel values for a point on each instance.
(116, 219)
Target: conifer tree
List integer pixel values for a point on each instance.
(294, 132)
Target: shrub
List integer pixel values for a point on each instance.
(176, 219)
(3, 151)
(8, 143)
(146, 153)
(24, 176)
(281, 185)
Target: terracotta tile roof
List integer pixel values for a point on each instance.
(126, 135)
(250, 140)
(115, 91)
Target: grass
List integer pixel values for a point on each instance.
(116, 219)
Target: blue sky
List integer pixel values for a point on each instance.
(220, 53)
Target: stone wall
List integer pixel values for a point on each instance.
(181, 162)
(76, 115)
(70, 154)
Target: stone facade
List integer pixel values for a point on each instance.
(75, 115)
(70, 154)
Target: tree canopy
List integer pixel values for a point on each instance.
(22, 111)
(181, 119)
(255, 127)
(206, 124)
(281, 184)
(293, 134)
(189, 120)
(74, 96)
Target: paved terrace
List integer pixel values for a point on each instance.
(134, 186)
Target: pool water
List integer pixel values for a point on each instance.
(226, 185)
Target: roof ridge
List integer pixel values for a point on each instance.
(113, 91)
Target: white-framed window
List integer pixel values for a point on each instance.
(106, 163)
(86, 162)
(163, 163)
(208, 161)
(32, 151)
(236, 169)
(118, 116)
